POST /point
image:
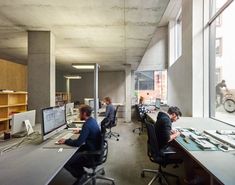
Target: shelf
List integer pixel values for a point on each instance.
(13, 92)
(4, 119)
(3, 106)
(17, 105)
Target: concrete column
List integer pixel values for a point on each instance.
(41, 71)
(128, 94)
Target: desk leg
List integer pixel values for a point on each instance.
(211, 180)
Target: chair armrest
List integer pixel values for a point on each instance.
(169, 150)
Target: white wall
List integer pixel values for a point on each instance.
(185, 76)
(155, 57)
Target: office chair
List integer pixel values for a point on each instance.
(112, 124)
(161, 157)
(141, 118)
(96, 159)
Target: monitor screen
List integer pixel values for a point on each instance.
(53, 119)
(69, 108)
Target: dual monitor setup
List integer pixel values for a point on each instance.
(53, 120)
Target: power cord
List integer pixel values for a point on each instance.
(32, 137)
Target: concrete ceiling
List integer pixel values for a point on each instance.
(108, 32)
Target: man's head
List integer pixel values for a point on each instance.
(174, 113)
(141, 101)
(107, 100)
(85, 112)
(223, 81)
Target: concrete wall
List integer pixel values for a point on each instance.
(185, 76)
(110, 84)
(155, 57)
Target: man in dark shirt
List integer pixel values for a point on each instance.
(163, 126)
(89, 140)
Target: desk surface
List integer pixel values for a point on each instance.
(218, 163)
(32, 165)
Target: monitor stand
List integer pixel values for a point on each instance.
(29, 130)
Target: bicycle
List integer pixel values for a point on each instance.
(229, 103)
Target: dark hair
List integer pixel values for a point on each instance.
(223, 81)
(86, 109)
(175, 110)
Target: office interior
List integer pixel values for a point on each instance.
(170, 52)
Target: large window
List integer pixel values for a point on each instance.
(178, 36)
(222, 61)
(151, 85)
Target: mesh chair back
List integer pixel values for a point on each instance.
(114, 123)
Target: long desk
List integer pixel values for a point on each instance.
(33, 164)
(219, 164)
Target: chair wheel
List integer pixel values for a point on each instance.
(118, 135)
(117, 139)
(142, 174)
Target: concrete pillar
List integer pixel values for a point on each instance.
(128, 94)
(41, 71)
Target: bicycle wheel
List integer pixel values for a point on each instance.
(229, 105)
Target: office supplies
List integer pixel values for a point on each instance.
(226, 132)
(60, 150)
(228, 139)
(186, 140)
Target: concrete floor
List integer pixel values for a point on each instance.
(127, 157)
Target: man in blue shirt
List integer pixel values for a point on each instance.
(110, 110)
(89, 140)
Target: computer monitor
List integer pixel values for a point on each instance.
(91, 103)
(53, 121)
(69, 108)
(18, 121)
(158, 103)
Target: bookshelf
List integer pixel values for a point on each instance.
(10, 103)
(62, 98)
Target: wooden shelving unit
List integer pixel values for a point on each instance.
(62, 98)
(10, 103)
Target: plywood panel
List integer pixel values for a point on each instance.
(13, 76)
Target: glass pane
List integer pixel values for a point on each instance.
(151, 85)
(224, 65)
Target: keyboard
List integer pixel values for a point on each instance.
(67, 136)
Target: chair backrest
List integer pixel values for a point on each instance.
(102, 157)
(153, 147)
(114, 123)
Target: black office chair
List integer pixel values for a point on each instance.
(141, 118)
(161, 157)
(96, 159)
(112, 124)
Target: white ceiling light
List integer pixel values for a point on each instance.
(73, 77)
(83, 66)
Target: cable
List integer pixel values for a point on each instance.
(32, 137)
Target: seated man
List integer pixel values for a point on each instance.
(165, 135)
(89, 140)
(163, 126)
(110, 110)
